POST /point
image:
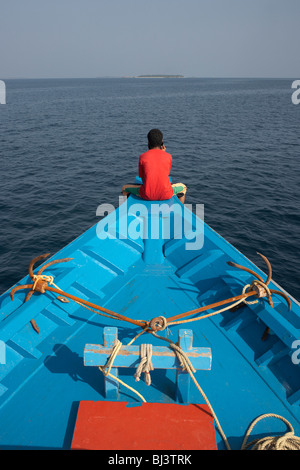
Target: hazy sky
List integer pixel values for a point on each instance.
(202, 38)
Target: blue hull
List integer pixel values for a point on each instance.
(43, 377)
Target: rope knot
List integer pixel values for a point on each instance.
(183, 358)
(158, 323)
(111, 358)
(145, 364)
(261, 289)
(40, 281)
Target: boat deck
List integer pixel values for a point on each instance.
(44, 377)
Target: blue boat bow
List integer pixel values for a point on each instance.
(119, 267)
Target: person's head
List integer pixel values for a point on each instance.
(155, 139)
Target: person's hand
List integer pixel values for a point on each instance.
(163, 147)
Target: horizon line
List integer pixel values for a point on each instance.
(163, 76)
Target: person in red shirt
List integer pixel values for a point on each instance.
(154, 170)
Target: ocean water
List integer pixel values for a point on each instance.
(68, 145)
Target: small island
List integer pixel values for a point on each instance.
(159, 76)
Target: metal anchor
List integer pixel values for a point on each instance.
(42, 283)
(261, 286)
(39, 283)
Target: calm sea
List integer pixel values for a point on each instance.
(67, 146)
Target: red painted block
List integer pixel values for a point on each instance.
(107, 425)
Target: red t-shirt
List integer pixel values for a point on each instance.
(154, 169)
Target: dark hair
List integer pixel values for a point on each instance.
(155, 138)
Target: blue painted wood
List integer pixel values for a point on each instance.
(278, 324)
(183, 380)
(153, 251)
(44, 377)
(294, 399)
(277, 351)
(111, 386)
(162, 358)
(129, 356)
(199, 263)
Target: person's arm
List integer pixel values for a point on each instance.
(141, 170)
(170, 164)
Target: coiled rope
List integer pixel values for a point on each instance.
(286, 442)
